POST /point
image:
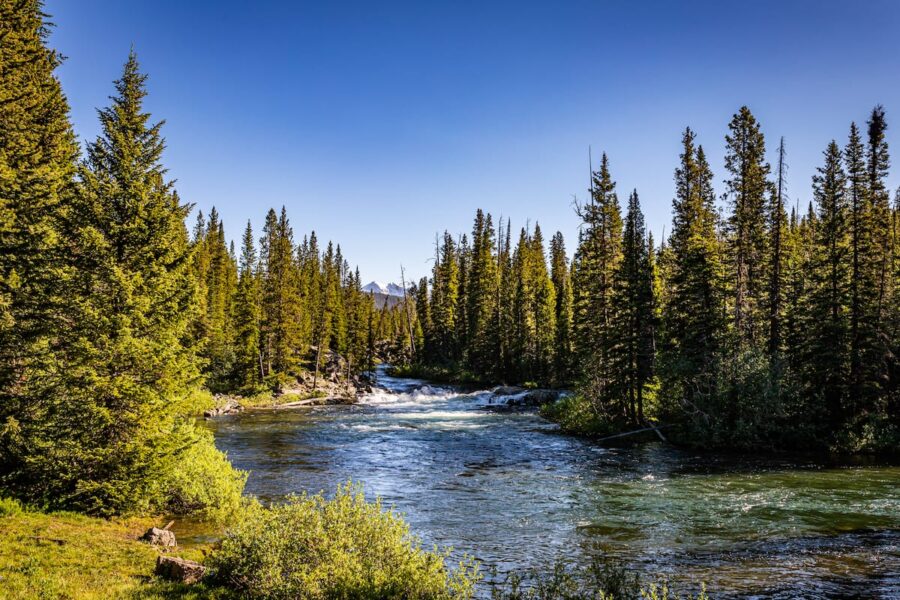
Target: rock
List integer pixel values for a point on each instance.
(179, 569)
(230, 407)
(159, 537)
(508, 390)
(540, 397)
(519, 397)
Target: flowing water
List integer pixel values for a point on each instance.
(510, 490)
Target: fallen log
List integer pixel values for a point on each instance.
(627, 433)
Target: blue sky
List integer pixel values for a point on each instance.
(380, 123)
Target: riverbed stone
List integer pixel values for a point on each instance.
(179, 569)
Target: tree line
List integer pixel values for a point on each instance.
(114, 318)
(750, 326)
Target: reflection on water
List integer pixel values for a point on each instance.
(508, 489)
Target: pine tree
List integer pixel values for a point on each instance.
(634, 356)
(857, 189)
(827, 351)
(562, 284)
(481, 299)
(876, 276)
(445, 300)
(132, 304)
(248, 363)
(505, 300)
(596, 262)
(692, 316)
(461, 328)
(746, 191)
(217, 272)
(777, 227)
(281, 295)
(38, 155)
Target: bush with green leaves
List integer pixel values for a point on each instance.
(313, 548)
(10, 507)
(201, 481)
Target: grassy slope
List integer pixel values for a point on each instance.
(75, 557)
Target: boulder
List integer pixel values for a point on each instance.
(508, 390)
(159, 537)
(229, 407)
(540, 397)
(526, 398)
(179, 569)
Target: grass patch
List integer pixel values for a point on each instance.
(65, 555)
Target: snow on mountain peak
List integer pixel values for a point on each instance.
(391, 289)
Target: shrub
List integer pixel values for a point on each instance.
(314, 548)
(202, 481)
(10, 507)
(574, 414)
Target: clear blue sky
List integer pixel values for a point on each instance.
(379, 123)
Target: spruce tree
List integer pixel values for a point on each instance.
(248, 363)
(445, 300)
(746, 190)
(876, 273)
(777, 227)
(481, 299)
(827, 359)
(132, 303)
(595, 266)
(38, 154)
(281, 297)
(562, 284)
(857, 190)
(634, 355)
(693, 319)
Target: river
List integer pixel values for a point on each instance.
(509, 489)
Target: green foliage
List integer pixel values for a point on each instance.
(38, 151)
(202, 481)
(315, 548)
(577, 414)
(10, 507)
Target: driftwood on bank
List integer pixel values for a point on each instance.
(627, 433)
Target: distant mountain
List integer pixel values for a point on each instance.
(389, 294)
(391, 289)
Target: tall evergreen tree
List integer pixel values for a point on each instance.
(876, 275)
(248, 364)
(38, 155)
(445, 300)
(635, 352)
(777, 226)
(746, 190)
(595, 266)
(857, 189)
(562, 284)
(827, 352)
(132, 303)
(693, 316)
(481, 298)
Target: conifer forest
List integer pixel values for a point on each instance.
(709, 412)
